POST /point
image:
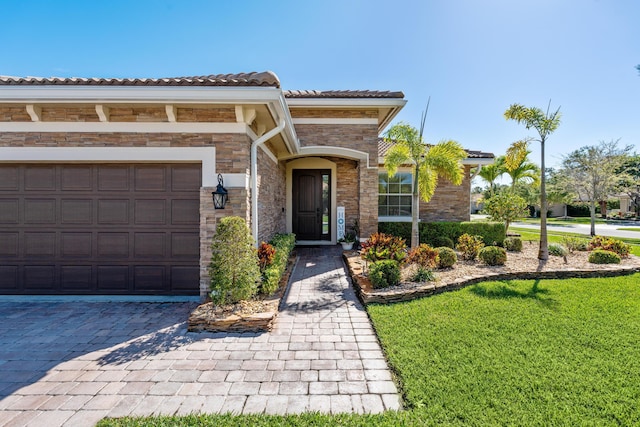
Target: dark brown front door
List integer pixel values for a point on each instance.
(311, 204)
(100, 229)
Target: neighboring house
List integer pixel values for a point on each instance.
(105, 184)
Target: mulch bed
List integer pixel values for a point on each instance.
(256, 315)
(522, 265)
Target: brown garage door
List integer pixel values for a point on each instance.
(99, 229)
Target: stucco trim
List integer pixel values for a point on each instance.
(204, 155)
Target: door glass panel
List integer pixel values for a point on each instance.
(325, 204)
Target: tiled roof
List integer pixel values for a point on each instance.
(342, 94)
(384, 146)
(266, 78)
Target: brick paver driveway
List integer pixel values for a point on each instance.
(73, 363)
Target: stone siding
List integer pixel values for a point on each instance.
(69, 114)
(225, 115)
(271, 197)
(450, 202)
(333, 114)
(14, 114)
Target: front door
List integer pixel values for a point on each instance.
(311, 204)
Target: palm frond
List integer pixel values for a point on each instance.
(445, 159)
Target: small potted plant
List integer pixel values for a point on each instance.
(347, 241)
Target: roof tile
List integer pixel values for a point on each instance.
(342, 94)
(384, 146)
(266, 78)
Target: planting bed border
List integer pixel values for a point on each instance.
(368, 295)
(202, 320)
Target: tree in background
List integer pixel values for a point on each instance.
(507, 207)
(429, 162)
(629, 180)
(557, 191)
(491, 173)
(545, 124)
(591, 172)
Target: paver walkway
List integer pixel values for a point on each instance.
(71, 363)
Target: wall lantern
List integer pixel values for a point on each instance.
(221, 194)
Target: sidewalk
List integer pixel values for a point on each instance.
(75, 363)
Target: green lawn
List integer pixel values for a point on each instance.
(552, 352)
(636, 229)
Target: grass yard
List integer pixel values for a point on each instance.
(636, 229)
(552, 352)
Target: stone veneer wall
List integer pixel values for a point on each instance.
(357, 137)
(271, 197)
(450, 202)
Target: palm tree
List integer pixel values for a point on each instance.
(429, 162)
(545, 124)
(521, 170)
(492, 172)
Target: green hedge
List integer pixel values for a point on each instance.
(284, 244)
(491, 232)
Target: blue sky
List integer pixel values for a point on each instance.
(474, 58)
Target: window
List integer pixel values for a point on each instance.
(394, 194)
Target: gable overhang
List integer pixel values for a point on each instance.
(387, 108)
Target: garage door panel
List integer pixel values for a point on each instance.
(9, 178)
(9, 277)
(113, 278)
(76, 178)
(185, 211)
(113, 178)
(76, 245)
(76, 211)
(150, 178)
(9, 246)
(185, 178)
(183, 278)
(40, 211)
(113, 212)
(9, 211)
(77, 278)
(105, 229)
(40, 177)
(150, 212)
(40, 277)
(185, 245)
(148, 278)
(39, 244)
(149, 245)
(113, 245)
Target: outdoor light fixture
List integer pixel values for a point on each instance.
(221, 194)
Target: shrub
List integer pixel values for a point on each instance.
(608, 244)
(506, 207)
(469, 246)
(513, 244)
(382, 246)
(424, 256)
(384, 273)
(283, 244)
(234, 269)
(446, 257)
(573, 243)
(422, 274)
(493, 255)
(492, 233)
(398, 229)
(601, 256)
(266, 253)
(556, 249)
(431, 233)
(443, 241)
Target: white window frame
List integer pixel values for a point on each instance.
(391, 218)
